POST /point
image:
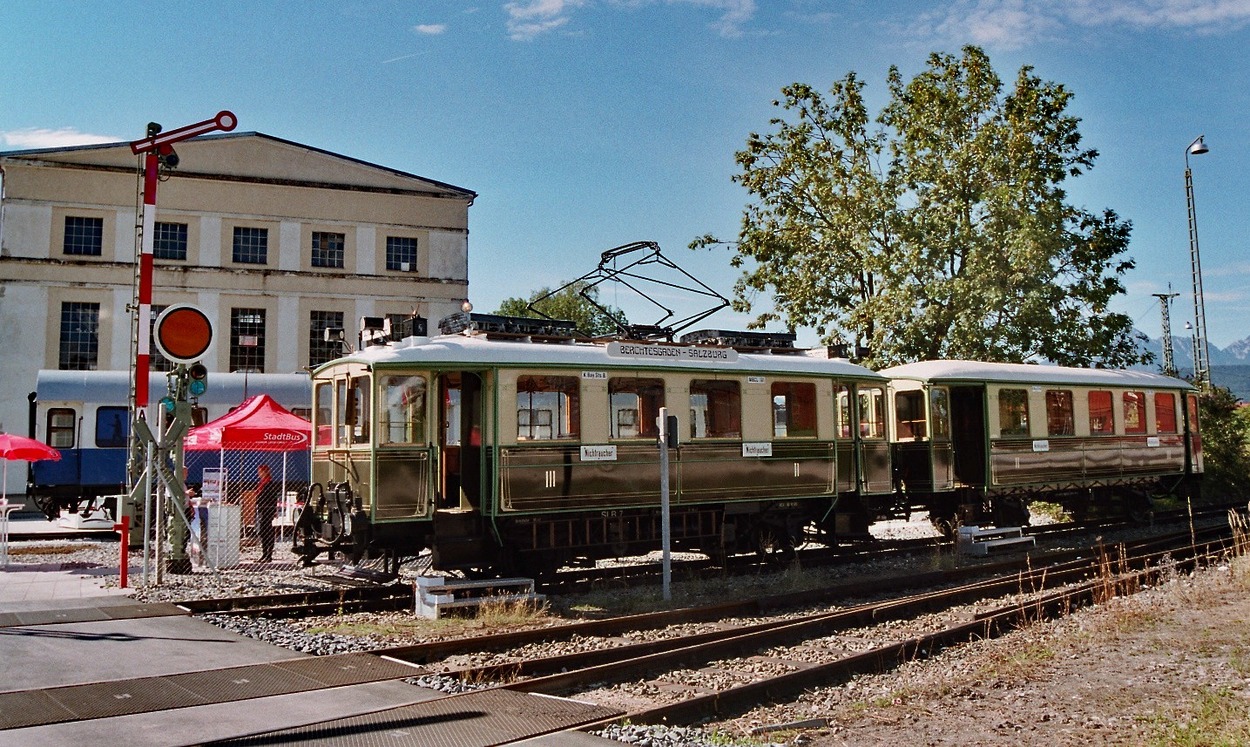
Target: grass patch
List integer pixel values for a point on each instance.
(26, 550)
(1213, 718)
(1052, 513)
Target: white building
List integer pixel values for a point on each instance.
(274, 240)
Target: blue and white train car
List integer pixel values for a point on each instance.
(84, 415)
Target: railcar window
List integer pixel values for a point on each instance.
(1013, 412)
(909, 415)
(794, 409)
(842, 402)
(872, 413)
(61, 422)
(404, 417)
(1192, 407)
(323, 399)
(715, 409)
(635, 405)
(1165, 412)
(1059, 418)
(358, 406)
(340, 413)
(112, 427)
(1101, 418)
(547, 408)
(940, 411)
(1134, 412)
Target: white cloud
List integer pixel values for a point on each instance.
(431, 29)
(1198, 15)
(1012, 24)
(530, 19)
(734, 14)
(37, 137)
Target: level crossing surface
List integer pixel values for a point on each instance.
(84, 663)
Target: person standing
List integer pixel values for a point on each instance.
(267, 493)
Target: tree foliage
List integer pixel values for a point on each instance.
(1225, 428)
(573, 303)
(939, 229)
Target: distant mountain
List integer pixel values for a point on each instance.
(1230, 366)
(1239, 350)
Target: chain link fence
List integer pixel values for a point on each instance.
(232, 516)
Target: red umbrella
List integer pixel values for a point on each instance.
(20, 448)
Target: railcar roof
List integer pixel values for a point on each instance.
(1027, 373)
(113, 387)
(476, 350)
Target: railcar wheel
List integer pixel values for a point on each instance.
(945, 524)
(1138, 507)
(774, 546)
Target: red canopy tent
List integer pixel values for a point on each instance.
(259, 424)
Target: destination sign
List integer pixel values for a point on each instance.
(638, 351)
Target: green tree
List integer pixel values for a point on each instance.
(938, 230)
(573, 303)
(1225, 428)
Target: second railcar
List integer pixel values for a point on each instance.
(85, 415)
(503, 453)
(977, 442)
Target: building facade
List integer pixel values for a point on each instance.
(273, 240)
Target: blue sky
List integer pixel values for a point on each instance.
(586, 124)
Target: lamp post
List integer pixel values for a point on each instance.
(1193, 346)
(1202, 369)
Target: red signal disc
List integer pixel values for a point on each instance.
(183, 333)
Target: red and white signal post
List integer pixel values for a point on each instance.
(159, 147)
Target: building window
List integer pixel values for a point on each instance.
(84, 237)
(156, 361)
(1134, 412)
(62, 427)
(547, 408)
(715, 409)
(251, 245)
(80, 336)
(320, 351)
(247, 340)
(1059, 418)
(1165, 412)
(794, 409)
(1101, 418)
(327, 249)
(1013, 412)
(635, 405)
(170, 241)
(401, 253)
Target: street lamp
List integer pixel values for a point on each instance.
(1193, 346)
(1202, 369)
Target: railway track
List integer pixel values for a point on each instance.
(397, 596)
(813, 649)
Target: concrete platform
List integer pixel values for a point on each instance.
(89, 650)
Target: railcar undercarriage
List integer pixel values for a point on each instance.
(331, 521)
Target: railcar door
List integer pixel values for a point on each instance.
(968, 431)
(460, 440)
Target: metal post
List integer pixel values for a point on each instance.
(1202, 363)
(1169, 357)
(665, 526)
(146, 482)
